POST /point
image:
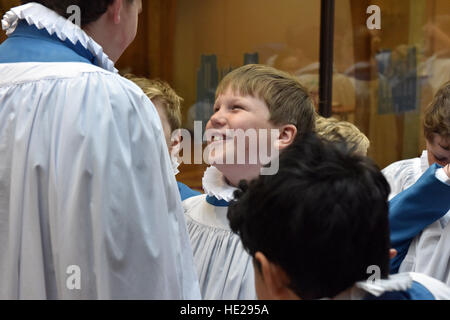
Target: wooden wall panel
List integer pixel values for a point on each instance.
(151, 54)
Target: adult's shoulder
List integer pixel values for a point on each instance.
(402, 166)
(14, 74)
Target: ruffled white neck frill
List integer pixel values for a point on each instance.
(214, 185)
(44, 18)
(395, 283)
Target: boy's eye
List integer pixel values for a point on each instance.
(236, 107)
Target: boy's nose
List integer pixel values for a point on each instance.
(218, 119)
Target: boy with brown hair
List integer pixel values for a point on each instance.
(423, 243)
(269, 108)
(436, 126)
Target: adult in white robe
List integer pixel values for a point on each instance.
(89, 206)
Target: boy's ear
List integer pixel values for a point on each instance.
(115, 11)
(287, 135)
(175, 142)
(392, 253)
(275, 281)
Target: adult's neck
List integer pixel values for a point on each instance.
(103, 35)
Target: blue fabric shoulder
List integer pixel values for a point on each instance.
(29, 44)
(414, 209)
(216, 202)
(186, 192)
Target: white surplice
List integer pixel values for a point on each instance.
(89, 206)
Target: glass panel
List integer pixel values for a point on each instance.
(214, 36)
(392, 73)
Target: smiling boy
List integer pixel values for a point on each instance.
(253, 98)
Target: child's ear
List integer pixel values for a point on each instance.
(175, 143)
(287, 135)
(115, 11)
(275, 280)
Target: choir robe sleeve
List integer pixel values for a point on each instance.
(414, 209)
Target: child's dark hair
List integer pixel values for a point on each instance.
(323, 218)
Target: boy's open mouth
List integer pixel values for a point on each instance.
(217, 136)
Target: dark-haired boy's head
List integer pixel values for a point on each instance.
(316, 226)
(111, 23)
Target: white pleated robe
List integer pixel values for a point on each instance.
(86, 182)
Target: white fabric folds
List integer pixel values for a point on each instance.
(429, 252)
(224, 268)
(403, 174)
(214, 185)
(87, 190)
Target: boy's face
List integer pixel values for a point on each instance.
(164, 121)
(438, 150)
(233, 111)
(172, 141)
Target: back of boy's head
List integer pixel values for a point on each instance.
(323, 218)
(437, 115)
(288, 101)
(160, 92)
(334, 130)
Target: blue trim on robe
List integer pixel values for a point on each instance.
(412, 210)
(416, 292)
(216, 202)
(29, 44)
(186, 192)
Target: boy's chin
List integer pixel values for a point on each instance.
(234, 173)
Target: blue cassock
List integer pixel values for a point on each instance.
(186, 192)
(414, 209)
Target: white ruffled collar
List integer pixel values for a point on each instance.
(214, 185)
(397, 282)
(42, 17)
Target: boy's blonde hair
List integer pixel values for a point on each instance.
(160, 91)
(288, 101)
(334, 130)
(437, 115)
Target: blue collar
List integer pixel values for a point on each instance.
(29, 44)
(216, 202)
